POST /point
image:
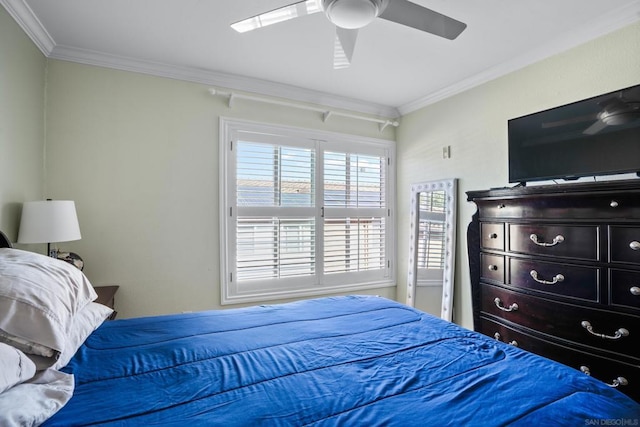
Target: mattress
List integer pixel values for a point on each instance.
(337, 361)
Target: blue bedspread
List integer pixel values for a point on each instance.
(338, 361)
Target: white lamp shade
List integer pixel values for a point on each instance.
(49, 221)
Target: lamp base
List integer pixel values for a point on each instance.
(72, 258)
(52, 252)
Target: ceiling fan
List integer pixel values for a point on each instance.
(615, 111)
(350, 15)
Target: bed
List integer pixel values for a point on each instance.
(333, 361)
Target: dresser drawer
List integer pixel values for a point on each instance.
(559, 205)
(625, 377)
(492, 267)
(579, 242)
(624, 244)
(624, 288)
(560, 279)
(566, 321)
(504, 334)
(492, 236)
(607, 370)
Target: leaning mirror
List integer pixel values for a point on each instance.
(432, 245)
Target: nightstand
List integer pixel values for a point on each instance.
(106, 296)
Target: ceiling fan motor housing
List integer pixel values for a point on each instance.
(620, 116)
(353, 14)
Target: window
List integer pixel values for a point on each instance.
(305, 212)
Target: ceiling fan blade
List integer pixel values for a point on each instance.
(345, 43)
(285, 13)
(595, 128)
(412, 15)
(570, 121)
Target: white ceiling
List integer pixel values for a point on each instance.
(395, 69)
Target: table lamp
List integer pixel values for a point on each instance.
(49, 221)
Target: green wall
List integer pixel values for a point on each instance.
(474, 124)
(139, 155)
(22, 90)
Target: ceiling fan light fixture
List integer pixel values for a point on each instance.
(617, 118)
(352, 14)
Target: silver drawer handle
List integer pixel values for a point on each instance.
(556, 240)
(493, 267)
(556, 279)
(635, 291)
(498, 338)
(512, 307)
(635, 245)
(618, 382)
(493, 236)
(622, 332)
(614, 204)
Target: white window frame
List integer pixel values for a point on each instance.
(318, 284)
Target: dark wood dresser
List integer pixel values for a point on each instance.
(555, 270)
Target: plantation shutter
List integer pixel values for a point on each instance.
(305, 212)
(431, 235)
(275, 226)
(354, 212)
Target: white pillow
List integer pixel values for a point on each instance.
(15, 367)
(39, 297)
(33, 402)
(84, 323)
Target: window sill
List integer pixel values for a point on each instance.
(293, 294)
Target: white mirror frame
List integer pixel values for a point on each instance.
(450, 188)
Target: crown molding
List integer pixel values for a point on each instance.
(219, 79)
(30, 24)
(614, 20)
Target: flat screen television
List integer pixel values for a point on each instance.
(592, 137)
